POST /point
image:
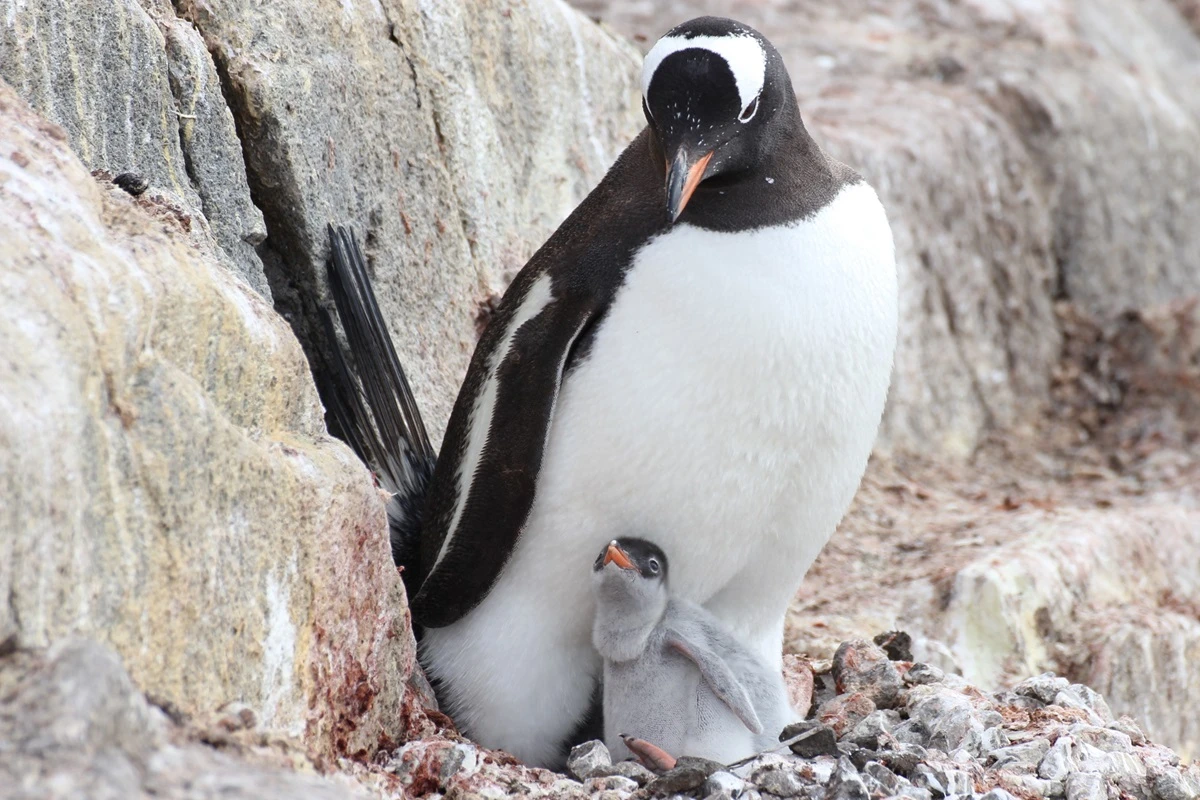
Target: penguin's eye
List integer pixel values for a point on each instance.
(654, 566)
(749, 112)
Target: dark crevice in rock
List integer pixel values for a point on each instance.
(295, 280)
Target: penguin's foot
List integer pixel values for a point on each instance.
(651, 756)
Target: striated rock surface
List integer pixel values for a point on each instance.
(169, 488)
(454, 137)
(135, 90)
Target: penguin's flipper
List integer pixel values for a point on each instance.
(483, 486)
(719, 677)
(369, 403)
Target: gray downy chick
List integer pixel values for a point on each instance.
(673, 676)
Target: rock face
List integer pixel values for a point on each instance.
(134, 89)
(169, 486)
(453, 137)
(74, 725)
(171, 489)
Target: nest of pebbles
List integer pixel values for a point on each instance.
(881, 726)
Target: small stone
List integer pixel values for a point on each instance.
(724, 783)
(779, 782)
(459, 758)
(688, 774)
(1029, 753)
(887, 781)
(903, 758)
(871, 728)
(859, 756)
(817, 740)
(1069, 698)
(962, 756)
(1126, 768)
(132, 182)
(1031, 784)
(862, 667)
(585, 759)
(948, 717)
(897, 645)
(1104, 739)
(1060, 760)
(997, 794)
(988, 718)
(923, 674)
(846, 783)
(942, 780)
(613, 783)
(1127, 726)
(993, 739)
(1087, 786)
(1043, 687)
(1170, 785)
(822, 768)
(625, 769)
(914, 792)
(911, 731)
(845, 711)
(1095, 701)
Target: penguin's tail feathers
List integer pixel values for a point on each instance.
(370, 405)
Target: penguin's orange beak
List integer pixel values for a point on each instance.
(615, 555)
(684, 174)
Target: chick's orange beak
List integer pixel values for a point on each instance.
(615, 555)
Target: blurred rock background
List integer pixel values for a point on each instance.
(170, 494)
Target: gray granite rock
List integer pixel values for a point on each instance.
(847, 784)
(586, 759)
(871, 728)
(136, 90)
(1086, 786)
(864, 667)
(1028, 753)
(920, 674)
(726, 783)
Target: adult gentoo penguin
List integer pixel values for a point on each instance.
(700, 353)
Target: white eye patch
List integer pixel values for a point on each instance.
(743, 54)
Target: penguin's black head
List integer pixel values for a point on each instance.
(636, 556)
(717, 97)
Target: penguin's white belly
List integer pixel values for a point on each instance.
(726, 411)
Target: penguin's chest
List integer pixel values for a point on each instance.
(730, 396)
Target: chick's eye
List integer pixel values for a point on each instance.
(748, 112)
(654, 566)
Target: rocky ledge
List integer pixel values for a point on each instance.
(879, 726)
(73, 724)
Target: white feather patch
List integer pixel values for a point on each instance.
(742, 53)
(535, 301)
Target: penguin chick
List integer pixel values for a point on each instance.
(673, 676)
